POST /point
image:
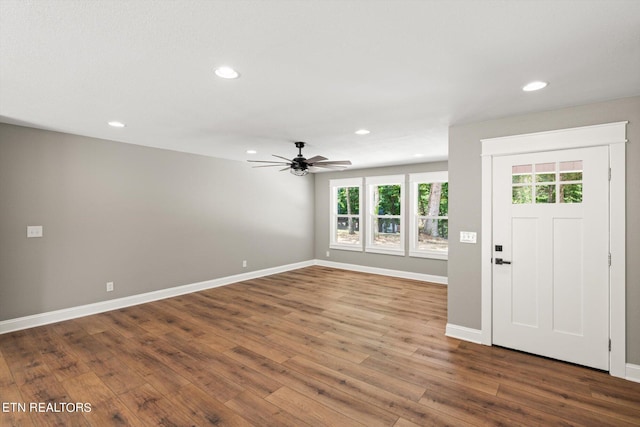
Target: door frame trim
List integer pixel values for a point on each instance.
(612, 135)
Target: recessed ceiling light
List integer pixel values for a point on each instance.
(116, 124)
(530, 87)
(227, 73)
(418, 155)
(363, 132)
(251, 151)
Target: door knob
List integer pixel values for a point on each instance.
(500, 261)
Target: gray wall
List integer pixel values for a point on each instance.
(465, 199)
(392, 262)
(144, 218)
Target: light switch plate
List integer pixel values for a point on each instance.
(34, 231)
(468, 236)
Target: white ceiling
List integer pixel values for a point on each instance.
(314, 71)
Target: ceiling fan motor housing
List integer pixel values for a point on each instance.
(299, 164)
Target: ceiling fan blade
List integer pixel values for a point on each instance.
(267, 166)
(269, 161)
(316, 159)
(333, 163)
(314, 169)
(280, 157)
(337, 167)
(285, 169)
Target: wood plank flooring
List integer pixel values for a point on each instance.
(311, 347)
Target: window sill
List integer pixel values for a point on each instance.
(431, 255)
(377, 250)
(354, 248)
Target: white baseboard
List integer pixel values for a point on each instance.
(464, 333)
(633, 372)
(114, 304)
(442, 280)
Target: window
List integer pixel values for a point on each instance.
(429, 228)
(385, 199)
(345, 214)
(372, 216)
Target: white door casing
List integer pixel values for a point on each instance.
(612, 135)
(551, 294)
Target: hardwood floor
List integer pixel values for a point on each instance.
(310, 347)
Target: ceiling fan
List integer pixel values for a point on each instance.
(300, 166)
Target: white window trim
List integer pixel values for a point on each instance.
(609, 134)
(334, 184)
(377, 181)
(414, 180)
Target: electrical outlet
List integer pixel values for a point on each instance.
(109, 286)
(244, 264)
(328, 254)
(468, 237)
(34, 231)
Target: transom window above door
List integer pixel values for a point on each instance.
(540, 183)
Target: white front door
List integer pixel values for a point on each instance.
(551, 254)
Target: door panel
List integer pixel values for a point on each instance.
(524, 298)
(568, 279)
(551, 219)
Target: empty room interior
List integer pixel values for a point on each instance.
(319, 213)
